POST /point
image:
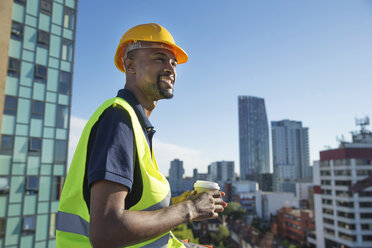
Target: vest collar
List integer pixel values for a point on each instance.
(133, 102)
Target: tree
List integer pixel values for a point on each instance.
(234, 211)
(221, 238)
(182, 232)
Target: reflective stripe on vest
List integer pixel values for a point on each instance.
(72, 223)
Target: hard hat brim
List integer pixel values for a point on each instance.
(179, 53)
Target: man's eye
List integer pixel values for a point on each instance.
(159, 59)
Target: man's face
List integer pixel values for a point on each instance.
(155, 72)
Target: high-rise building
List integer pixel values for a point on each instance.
(36, 61)
(253, 137)
(290, 142)
(175, 178)
(343, 194)
(221, 171)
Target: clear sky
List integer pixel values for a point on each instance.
(310, 60)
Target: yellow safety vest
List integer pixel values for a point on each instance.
(72, 228)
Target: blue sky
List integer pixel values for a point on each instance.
(310, 60)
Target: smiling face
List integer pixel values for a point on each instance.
(155, 72)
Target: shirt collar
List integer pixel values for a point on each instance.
(133, 102)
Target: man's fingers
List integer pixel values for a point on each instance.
(219, 208)
(216, 194)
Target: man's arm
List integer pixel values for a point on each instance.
(113, 226)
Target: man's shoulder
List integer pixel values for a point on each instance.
(116, 114)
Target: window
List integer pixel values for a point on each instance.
(28, 224)
(2, 227)
(68, 18)
(10, 107)
(366, 226)
(20, 1)
(366, 215)
(14, 67)
(365, 204)
(346, 225)
(328, 211)
(32, 185)
(66, 49)
(46, 6)
(43, 38)
(34, 144)
(40, 73)
(347, 236)
(62, 116)
(345, 215)
(57, 184)
(64, 86)
(343, 183)
(37, 109)
(7, 142)
(17, 30)
(60, 151)
(345, 204)
(328, 221)
(326, 201)
(4, 185)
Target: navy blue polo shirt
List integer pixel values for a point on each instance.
(112, 152)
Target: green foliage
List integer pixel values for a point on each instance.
(221, 239)
(285, 243)
(182, 232)
(234, 211)
(256, 223)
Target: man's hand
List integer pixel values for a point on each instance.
(206, 205)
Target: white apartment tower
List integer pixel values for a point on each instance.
(343, 193)
(290, 142)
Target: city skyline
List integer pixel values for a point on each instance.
(310, 61)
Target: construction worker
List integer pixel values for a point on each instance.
(114, 194)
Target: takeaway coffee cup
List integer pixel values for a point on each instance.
(201, 186)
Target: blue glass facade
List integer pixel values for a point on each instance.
(253, 137)
(35, 119)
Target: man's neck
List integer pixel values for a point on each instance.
(146, 103)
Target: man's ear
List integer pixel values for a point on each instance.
(129, 65)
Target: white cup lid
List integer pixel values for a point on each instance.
(206, 184)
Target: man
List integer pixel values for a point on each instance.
(114, 194)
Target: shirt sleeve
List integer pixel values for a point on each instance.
(111, 153)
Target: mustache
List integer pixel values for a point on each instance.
(169, 75)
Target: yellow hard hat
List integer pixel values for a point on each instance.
(148, 32)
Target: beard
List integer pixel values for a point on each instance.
(165, 93)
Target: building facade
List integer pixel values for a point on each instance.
(343, 194)
(221, 171)
(253, 137)
(267, 203)
(175, 178)
(294, 224)
(290, 143)
(36, 61)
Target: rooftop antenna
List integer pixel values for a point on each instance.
(362, 122)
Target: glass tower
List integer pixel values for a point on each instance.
(36, 60)
(253, 137)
